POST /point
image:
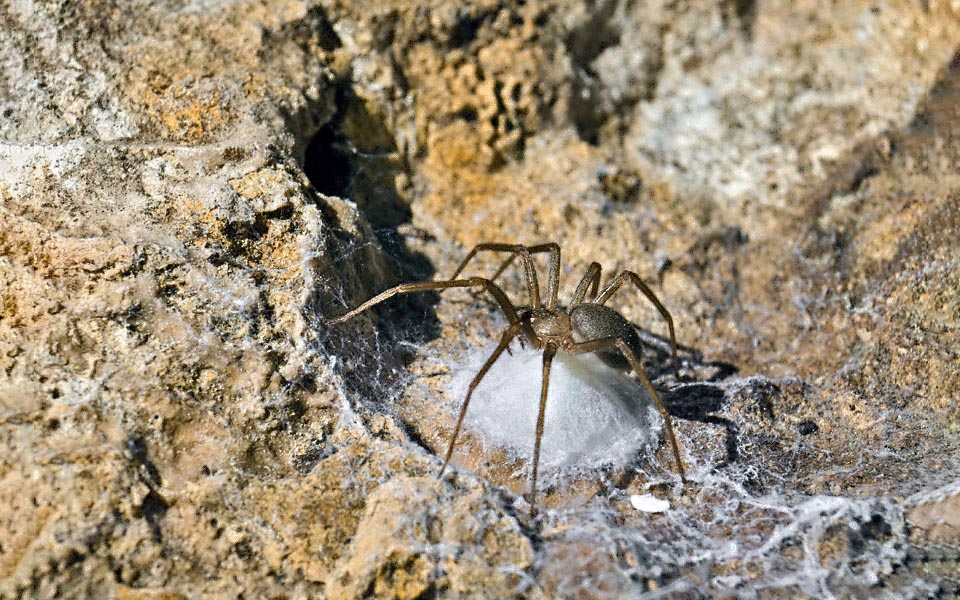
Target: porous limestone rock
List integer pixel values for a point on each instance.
(189, 190)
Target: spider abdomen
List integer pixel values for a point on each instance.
(595, 321)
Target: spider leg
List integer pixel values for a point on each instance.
(618, 281)
(406, 288)
(590, 280)
(533, 285)
(553, 272)
(604, 343)
(503, 267)
(508, 335)
(553, 278)
(548, 353)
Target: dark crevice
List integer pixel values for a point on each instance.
(154, 506)
(384, 28)
(465, 29)
(314, 30)
(305, 462)
(282, 213)
(137, 451)
(413, 433)
(314, 35)
(585, 43)
(251, 231)
(468, 114)
(354, 155)
(152, 510)
(327, 164)
(742, 14)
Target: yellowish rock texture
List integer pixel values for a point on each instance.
(190, 190)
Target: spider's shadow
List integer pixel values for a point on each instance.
(658, 360)
(699, 402)
(696, 401)
(690, 399)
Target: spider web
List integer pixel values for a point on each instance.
(747, 530)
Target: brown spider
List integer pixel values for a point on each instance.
(584, 326)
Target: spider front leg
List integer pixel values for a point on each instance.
(590, 280)
(533, 285)
(553, 274)
(406, 288)
(516, 326)
(615, 285)
(605, 343)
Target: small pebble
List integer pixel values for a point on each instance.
(649, 503)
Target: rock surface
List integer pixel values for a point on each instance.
(189, 191)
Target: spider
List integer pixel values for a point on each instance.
(586, 325)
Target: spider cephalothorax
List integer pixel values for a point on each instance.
(585, 326)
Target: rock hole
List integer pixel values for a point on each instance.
(464, 30)
(327, 164)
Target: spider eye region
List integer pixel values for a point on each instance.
(550, 323)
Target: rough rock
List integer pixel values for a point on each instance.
(189, 191)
